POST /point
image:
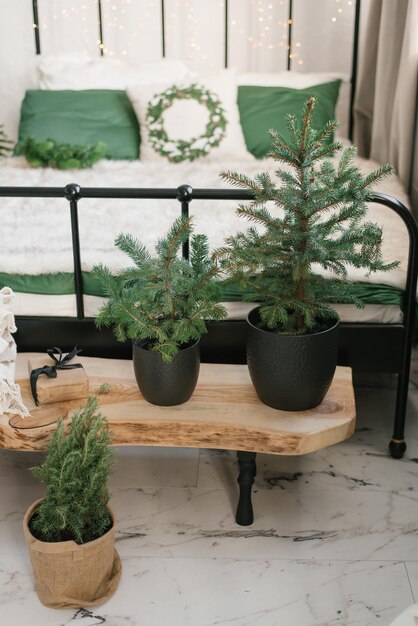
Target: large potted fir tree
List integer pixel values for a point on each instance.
(71, 531)
(161, 303)
(293, 335)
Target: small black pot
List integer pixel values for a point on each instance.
(166, 384)
(291, 372)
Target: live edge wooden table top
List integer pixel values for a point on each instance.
(224, 412)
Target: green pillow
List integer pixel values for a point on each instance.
(262, 108)
(82, 118)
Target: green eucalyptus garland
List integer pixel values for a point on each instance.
(63, 156)
(177, 150)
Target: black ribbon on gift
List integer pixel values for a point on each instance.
(61, 363)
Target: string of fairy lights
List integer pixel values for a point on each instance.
(263, 25)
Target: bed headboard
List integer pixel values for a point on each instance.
(288, 49)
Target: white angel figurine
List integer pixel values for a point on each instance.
(10, 396)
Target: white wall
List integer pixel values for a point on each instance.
(17, 59)
(195, 32)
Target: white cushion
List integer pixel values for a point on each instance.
(296, 80)
(78, 72)
(186, 119)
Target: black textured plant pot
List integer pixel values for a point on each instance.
(291, 372)
(166, 384)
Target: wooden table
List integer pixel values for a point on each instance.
(224, 412)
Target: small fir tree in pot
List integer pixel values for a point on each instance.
(161, 303)
(71, 531)
(321, 223)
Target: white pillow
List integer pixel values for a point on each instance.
(296, 80)
(186, 119)
(78, 72)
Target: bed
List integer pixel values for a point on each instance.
(67, 222)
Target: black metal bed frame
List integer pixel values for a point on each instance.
(366, 347)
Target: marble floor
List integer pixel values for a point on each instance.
(334, 542)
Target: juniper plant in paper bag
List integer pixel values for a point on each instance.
(76, 472)
(164, 298)
(321, 223)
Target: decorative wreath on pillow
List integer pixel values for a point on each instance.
(177, 150)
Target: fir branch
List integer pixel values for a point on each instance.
(329, 128)
(169, 246)
(306, 122)
(240, 180)
(374, 177)
(325, 151)
(260, 216)
(280, 157)
(133, 248)
(279, 143)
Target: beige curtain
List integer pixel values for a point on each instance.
(386, 99)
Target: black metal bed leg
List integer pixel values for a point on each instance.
(397, 445)
(247, 472)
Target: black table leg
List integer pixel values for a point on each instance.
(247, 472)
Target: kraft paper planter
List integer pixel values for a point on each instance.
(69, 575)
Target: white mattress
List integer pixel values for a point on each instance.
(28, 244)
(62, 306)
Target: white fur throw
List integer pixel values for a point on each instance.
(10, 396)
(27, 248)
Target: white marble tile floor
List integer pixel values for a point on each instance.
(334, 542)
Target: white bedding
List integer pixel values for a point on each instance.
(35, 237)
(65, 306)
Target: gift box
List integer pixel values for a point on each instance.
(57, 377)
